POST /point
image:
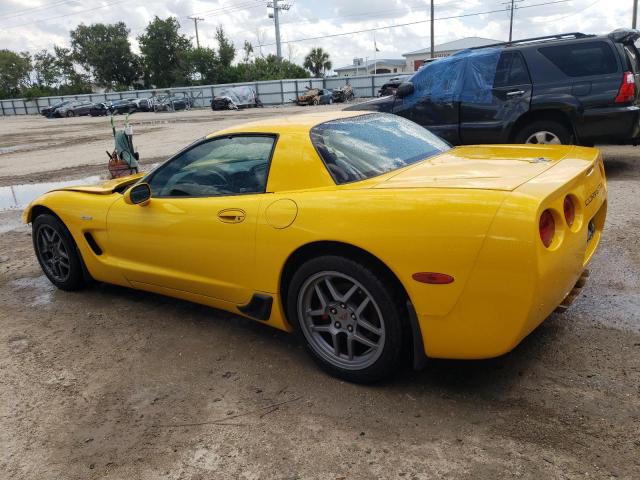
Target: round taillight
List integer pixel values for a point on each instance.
(547, 228)
(569, 210)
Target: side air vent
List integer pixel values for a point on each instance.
(92, 243)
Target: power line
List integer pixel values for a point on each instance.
(410, 23)
(223, 10)
(577, 13)
(377, 13)
(66, 15)
(230, 8)
(29, 11)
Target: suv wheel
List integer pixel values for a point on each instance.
(348, 319)
(544, 132)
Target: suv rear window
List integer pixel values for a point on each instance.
(357, 148)
(582, 59)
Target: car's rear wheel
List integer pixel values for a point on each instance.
(544, 132)
(348, 319)
(57, 253)
(70, 113)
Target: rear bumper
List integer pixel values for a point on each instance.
(517, 282)
(614, 124)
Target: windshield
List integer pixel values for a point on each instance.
(369, 145)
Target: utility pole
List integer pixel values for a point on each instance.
(635, 13)
(432, 36)
(276, 20)
(195, 22)
(511, 6)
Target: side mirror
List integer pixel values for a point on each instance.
(139, 194)
(404, 89)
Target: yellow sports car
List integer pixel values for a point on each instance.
(365, 233)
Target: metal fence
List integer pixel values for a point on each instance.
(274, 92)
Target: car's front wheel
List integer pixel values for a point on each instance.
(347, 317)
(57, 254)
(70, 113)
(544, 132)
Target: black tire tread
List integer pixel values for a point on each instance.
(76, 280)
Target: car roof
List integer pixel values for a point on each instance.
(289, 123)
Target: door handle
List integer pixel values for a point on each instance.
(515, 93)
(231, 215)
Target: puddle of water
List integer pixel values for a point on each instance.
(10, 225)
(13, 148)
(19, 196)
(40, 288)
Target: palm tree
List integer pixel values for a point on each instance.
(317, 62)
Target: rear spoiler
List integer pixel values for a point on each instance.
(624, 35)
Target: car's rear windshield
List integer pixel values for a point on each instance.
(369, 145)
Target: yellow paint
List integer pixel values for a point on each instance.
(471, 212)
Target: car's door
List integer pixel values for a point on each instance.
(83, 108)
(433, 104)
(488, 120)
(197, 233)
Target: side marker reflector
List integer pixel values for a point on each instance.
(432, 277)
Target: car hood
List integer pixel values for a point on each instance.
(105, 188)
(488, 167)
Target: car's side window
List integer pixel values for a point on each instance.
(511, 70)
(231, 165)
(582, 59)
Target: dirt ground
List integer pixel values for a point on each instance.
(118, 384)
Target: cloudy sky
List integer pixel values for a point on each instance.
(36, 24)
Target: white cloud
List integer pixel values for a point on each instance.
(36, 29)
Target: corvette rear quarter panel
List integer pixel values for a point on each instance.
(516, 282)
(423, 230)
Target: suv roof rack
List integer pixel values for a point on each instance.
(561, 36)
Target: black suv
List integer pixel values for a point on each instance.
(571, 88)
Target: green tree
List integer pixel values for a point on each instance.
(104, 51)
(269, 68)
(66, 68)
(165, 53)
(14, 72)
(226, 50)
(317, 62)
(204, 61)
(248, 51)
(45, 67)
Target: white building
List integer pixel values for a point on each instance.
(417, 58)
(381, 65)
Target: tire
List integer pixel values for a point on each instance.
(361, 308)
(316, 101)
(70, 113)
(544, 132)
(62, 266)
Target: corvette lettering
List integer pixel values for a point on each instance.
(593, 195)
